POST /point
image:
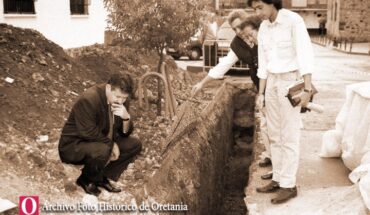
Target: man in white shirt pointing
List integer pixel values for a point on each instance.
(285, 55)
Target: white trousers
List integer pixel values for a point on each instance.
(283, 127)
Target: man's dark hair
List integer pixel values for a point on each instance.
(278, 4)
(253, 20)
(123, 82)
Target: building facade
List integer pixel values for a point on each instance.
(68, 23)
(349, 20)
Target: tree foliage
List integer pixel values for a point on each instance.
(154, 24)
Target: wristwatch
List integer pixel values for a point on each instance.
(308, 91)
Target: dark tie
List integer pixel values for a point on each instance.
(111, 123)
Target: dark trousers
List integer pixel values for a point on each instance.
(95, 155)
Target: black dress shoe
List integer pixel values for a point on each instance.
(89, 188)
(267, 176)
(265, 162)
(108, 186)
(284, 194)
(272, 187)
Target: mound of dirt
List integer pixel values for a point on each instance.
(104, 60)
(46, 81)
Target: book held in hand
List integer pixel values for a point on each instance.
(294, 95)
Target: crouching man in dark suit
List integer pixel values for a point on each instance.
(96, 134)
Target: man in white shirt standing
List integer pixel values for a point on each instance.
(285, 55)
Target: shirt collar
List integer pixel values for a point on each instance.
(279, 18)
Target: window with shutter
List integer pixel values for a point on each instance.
(79, 7)
(19, 6)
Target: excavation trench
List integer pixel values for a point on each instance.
(206, 165)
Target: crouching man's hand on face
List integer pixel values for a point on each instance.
(115, 153)
(120, 110)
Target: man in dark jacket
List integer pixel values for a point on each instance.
(96, 134)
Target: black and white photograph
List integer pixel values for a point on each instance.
(197, 107)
